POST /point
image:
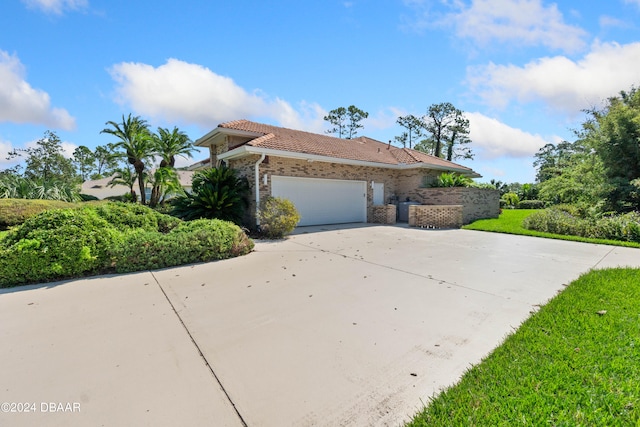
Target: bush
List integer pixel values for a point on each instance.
(452, 179)
(215, 193)
(531, 204)
(278, 217)
(190, 242)
(55, 244)
(15, 211)
(65, 243)
(509, 200)
(558, 221)
(127, 216)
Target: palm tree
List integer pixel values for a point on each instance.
(169, 144)
(136, 141)
(125, 176)
(164, 181)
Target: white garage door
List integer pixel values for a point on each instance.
(323, 201)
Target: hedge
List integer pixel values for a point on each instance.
(65, 243)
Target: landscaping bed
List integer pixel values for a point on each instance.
(111, 237)
(511, 222)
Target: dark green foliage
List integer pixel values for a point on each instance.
(278, 217)
(195, 241)
(531, 204)
(452, 179)
(346, 121)
(624, 227)
(55, 244)
(215, 193)
(127, 216)
(15, 211)
(46, 163)
(64, 243)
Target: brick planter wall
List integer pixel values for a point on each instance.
(478, 203)
(435, 216)
(382, 214)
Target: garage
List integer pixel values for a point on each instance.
(323, 201)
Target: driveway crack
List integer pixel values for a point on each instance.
(206, 362)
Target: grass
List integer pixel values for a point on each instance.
(573, 363)
(510, 222)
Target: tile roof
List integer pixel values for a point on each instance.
(360, 149)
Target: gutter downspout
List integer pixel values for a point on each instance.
(257, 184)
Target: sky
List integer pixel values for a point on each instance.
(523, 71)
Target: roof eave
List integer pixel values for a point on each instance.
(209, 138)
(246, 150)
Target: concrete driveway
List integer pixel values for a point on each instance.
(334, 326)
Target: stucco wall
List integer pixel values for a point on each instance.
(477, 203)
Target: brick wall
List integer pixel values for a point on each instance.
(477, 203)
(435, 216)
(382, 214)
(301, 168)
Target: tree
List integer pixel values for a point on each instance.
(106, 160)
(125, 176)
(459, 138)
(337, 119)
(414, 128)
(552, 159)
(46, 162)
(355, 116)
(169, 144)
(84, 161)
(164, 181)
(447, 128)
(136, 141)
(346, 121)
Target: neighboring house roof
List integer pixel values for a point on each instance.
(278, 141)
(101, 189)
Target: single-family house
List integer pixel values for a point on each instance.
(330, 180)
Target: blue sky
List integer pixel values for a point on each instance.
(522, 70)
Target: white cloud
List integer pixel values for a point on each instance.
(190, 93)
(496, 139)
(525, 22)
(565, 85)
(636, 2)
(56, 7)
(5, 147)
(383, 119)
(21, 103)
(519, 22)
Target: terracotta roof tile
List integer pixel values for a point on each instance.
(361, 148)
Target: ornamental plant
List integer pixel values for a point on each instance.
(278, 217)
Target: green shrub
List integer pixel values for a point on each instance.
(278, 217)
(558, 221)
(15, 211)
(65, 243)
(509, 200)
(190, 242)
(55, 244)
(215, 193)
(127, 216)
(452, 179)
(531, 204)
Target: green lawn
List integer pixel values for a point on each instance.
(510, 221)
(574, 363)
